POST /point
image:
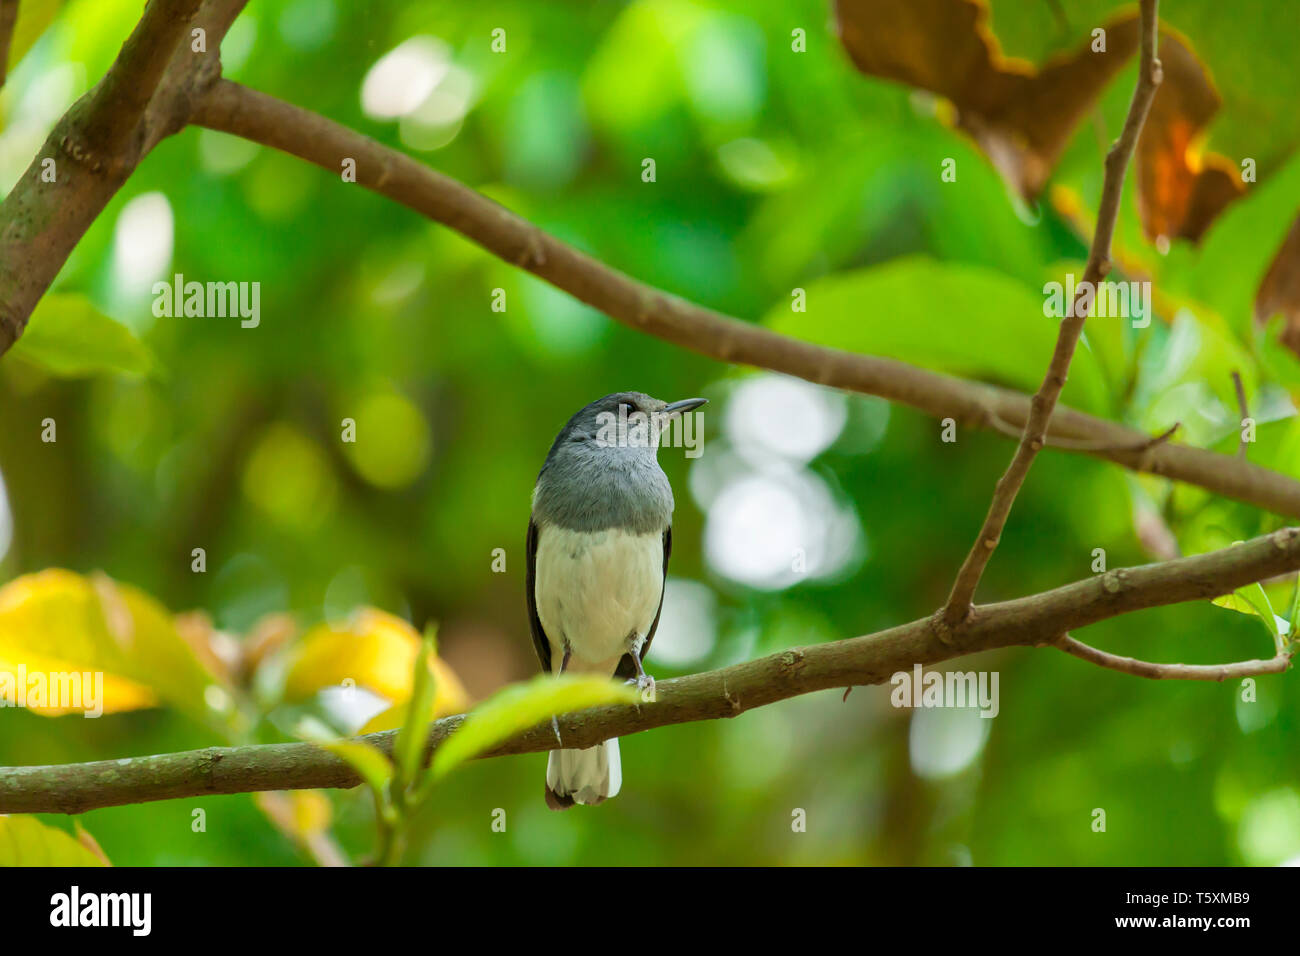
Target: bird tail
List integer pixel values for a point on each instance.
(583, 776)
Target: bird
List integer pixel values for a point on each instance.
(598, 543)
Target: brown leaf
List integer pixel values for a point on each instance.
(1279, 292)
(117, 615)
(215, 651)
(271, 633)
(1021, 117)
(1181, 189)
(89, 842)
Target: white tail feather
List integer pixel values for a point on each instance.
(588, 776)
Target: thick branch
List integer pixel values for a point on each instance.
(98, 143)
(108, 119)
(240, 111)
(1044, 400)
(1036, 620)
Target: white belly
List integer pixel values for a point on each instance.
(597, 590)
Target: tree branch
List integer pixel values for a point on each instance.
(1214, 672)
(107, 120)
(240, 111)
(1030, 621)
(98, 143)
(1044, 401)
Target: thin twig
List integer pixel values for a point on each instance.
(1095, 447)
(1245, 411)
(1153, 671)
(1044, 401)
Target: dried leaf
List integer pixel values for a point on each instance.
(1021, 117)
(1181, 188)
(85, 838)
(1279, 292)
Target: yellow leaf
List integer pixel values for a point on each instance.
(312, 812)
(375, 650)
(450, 698)
(26, 841)
(301, 813)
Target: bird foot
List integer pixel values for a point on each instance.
(555, 727)
(645, 684)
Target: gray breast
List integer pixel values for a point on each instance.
(588, 488)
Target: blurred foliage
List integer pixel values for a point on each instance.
(364, 457)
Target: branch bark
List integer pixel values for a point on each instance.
(1042, 405)
(1030, 621)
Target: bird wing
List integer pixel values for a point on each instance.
(626, 670)
(540, 643)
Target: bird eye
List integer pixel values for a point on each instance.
(626, 408)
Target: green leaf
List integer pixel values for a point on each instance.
(1253, 600)
(26, 841)
(521, 706)
(68, 337)
(964, 320)
(409, 746)
(1294, 613)
(375, 769)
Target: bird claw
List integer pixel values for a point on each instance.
(555, 726)
(645, 685)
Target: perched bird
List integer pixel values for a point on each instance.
(598, 545)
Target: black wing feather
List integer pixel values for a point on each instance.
(540, 643)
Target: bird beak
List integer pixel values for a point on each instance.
(685, 405)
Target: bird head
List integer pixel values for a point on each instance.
(624, 420)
